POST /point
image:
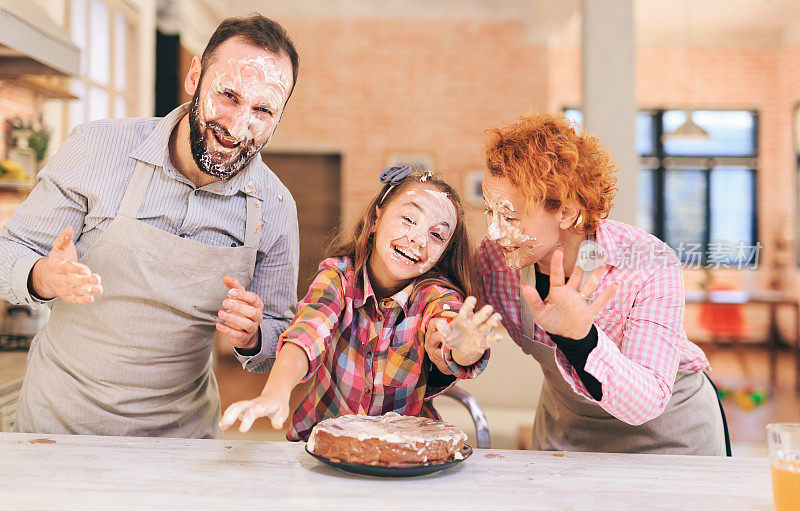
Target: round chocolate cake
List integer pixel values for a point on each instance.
(390, 440)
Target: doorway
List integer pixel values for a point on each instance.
(315, 183)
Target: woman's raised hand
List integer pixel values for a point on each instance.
(567, 310)
(469, 334)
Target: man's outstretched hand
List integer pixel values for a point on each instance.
(61, 275)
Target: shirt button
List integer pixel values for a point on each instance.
(234, 244)
(196, 193)
(182, 235)
(369, 353)
(367, 390)
(386, 303)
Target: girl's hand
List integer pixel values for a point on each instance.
(470, 333)
(272, 404)
(566, 312)
(242, 315)
(433, 345)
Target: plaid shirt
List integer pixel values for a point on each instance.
(367, 357)
(641, 341)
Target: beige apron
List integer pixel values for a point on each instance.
(566, 421)
(137, 361)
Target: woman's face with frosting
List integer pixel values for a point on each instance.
(237, 106)
(412, 232)
(524, 236)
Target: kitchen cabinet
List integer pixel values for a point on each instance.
(12, 371)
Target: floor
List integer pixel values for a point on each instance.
(746, 419)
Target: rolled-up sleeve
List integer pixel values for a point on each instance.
(275, 282)
(317, 317)
(55, 203)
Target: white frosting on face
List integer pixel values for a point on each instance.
(414, 230)
(245, 97)
(505, 226)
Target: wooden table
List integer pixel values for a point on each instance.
(110, 473)
(771, 299)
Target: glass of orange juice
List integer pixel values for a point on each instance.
(784, 456)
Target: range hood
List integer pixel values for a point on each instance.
(32, 43)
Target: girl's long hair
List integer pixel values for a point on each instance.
(453, 269)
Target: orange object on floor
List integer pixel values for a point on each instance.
(722, 319)
(725, 323)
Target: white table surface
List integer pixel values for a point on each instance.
(84, 472)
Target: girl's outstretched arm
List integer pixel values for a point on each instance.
(291, 366)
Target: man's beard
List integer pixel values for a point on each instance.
(199, 146)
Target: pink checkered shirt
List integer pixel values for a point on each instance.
(641, 341)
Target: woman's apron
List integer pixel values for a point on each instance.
(137, 361)
(566, 421)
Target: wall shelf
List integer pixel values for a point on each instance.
(16, 186)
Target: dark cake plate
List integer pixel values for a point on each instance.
(381, 471)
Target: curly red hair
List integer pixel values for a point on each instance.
(544, 156)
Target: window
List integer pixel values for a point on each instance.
(699, 196)
(105, 32)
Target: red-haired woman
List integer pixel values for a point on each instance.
(598, 303)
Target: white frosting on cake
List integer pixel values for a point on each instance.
(390, 427)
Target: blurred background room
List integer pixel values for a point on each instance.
(699, 101)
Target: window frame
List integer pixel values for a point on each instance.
(129, 93)
(658, 162)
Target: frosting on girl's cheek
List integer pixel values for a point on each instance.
(435, 209)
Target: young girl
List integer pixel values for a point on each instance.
(360, 330)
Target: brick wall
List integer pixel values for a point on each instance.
(368, 88)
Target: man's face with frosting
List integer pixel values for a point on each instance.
(237, 106)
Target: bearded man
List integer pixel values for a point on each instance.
(148, 237)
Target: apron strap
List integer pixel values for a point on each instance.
(252, 227)
(134, 193)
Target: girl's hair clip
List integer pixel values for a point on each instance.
(393, 175)
(427, 175)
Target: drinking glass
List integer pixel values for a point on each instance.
(784, 456)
